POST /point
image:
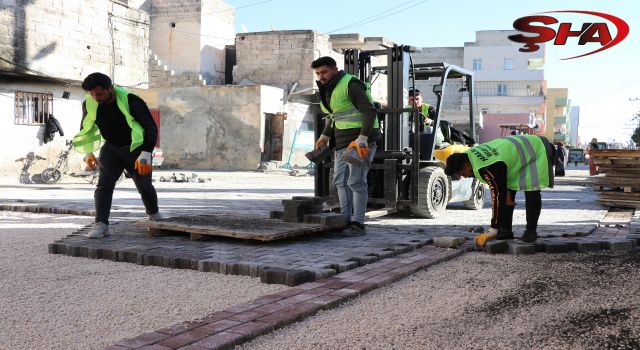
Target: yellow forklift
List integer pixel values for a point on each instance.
(407, 173)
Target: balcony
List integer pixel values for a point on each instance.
(560, 121)
(562, 102)
(558, 136)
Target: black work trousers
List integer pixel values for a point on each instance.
(113, 160)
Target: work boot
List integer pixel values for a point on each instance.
(529, 236)
(156, 217)
(99, 230)
(355, 229)
(504, 235)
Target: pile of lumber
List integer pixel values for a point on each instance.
(620, 184)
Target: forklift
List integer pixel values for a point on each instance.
(407, 173)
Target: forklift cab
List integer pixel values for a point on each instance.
(406, 173)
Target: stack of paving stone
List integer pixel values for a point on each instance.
(620, 185)
(307, 210)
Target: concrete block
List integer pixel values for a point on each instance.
(294, 210)
(588, 246)
(296, 277)
(634, 237)
(517, 248)
(276, 214)
(620, 244)
(325, 219)
(273, 275)
(497, 247)
(555, 247)
(342, 267)
(448, 242)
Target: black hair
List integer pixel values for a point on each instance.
(414, 92)
(455, 162)
(324, 61)
(94, 80)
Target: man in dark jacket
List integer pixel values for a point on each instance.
(124, 121)
(353, 124)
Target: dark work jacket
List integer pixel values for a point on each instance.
(358, 96)
(113, 124)
(51, 128)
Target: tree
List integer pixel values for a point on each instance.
(636, 136)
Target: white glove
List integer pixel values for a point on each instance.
(322, 140)
(144, 157)
(362, 140)
(493, 230)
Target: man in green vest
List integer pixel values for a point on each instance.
(507, 165)
(427, 111)
(123, 121)
(353, 125)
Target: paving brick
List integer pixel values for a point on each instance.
(252, 329)
(181, 327)
(497, 246)
(183, 339)
(156, 347)
(448, 242)
(555, 247)
(216, 327)
(325, 218)
(240, 308)
(620, 244)
(115, 347)
(142, 340)
(221, 340)
(247, 316)
(588, 246)
(516, 248)
(268, 299)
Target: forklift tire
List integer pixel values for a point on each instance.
(477, 202)
(433, 193)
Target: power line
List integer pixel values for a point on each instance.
(379, 16)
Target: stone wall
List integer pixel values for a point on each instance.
(72, 38)
(190, 36)
(280, 58)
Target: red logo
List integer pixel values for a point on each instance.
(589, 33)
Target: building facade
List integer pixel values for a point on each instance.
(558, 108)
(574, 124)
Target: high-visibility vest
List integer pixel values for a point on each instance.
(345, 115)
(525, 157)
(425, 112)
(89, 139)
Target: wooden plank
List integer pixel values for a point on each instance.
(271, 229)
(620, 203)
(630, 153)
(616, 181)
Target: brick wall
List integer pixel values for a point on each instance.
(280, 58)
(73, 38)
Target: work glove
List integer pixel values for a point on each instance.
(482, 239)
(322, 140)
(361, 145)
(143, 163)
(91, 161)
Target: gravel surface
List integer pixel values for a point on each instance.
(480, 301)
(59, 302)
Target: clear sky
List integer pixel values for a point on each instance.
(601, 84)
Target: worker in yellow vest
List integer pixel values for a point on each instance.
(352, 124)
(123, 122)
(427, 112)
(507, 165)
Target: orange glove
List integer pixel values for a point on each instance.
(91, 161)
(481, 239)
(322, 140)
(143, 163)
(361, 146)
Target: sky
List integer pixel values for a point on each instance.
(602, 84)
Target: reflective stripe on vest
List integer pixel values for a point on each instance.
(524, 155)
(89, 139)
(345, 115)
(425, 110)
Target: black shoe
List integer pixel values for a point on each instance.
(504, 235)
(355, 229)
(529, 237)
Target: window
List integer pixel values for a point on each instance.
(502, 89)
(32, 108)
(477, 64)
(508, 64)
(485, 111)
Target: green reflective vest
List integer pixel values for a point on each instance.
(345, 115)
(89, 140)
(439, 134)
(525, 157)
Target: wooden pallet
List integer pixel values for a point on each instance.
(241, 227)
